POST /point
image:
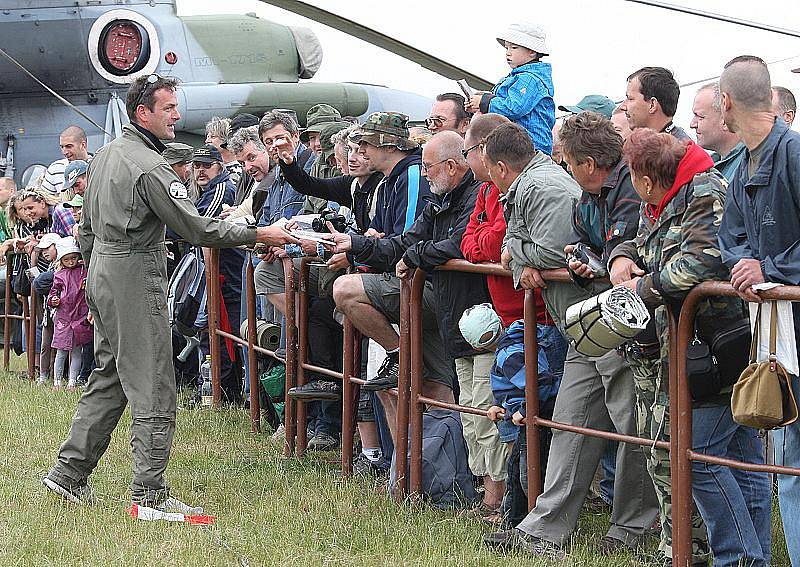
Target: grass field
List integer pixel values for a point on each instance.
(269, 510)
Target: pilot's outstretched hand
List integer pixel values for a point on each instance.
(274, 235)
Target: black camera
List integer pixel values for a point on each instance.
(583, 254)
(320, 224)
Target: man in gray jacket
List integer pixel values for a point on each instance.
(595, 392)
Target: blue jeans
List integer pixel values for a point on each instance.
(735, 504)
(787, 453)
(552, 342)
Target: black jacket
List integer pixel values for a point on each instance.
(336, 189)
(433, 239)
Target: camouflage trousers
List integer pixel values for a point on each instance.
(652, 420)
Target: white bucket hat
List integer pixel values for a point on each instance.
(526, 35)
(476, 322)
(66, 246)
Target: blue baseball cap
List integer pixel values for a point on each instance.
(74, 170)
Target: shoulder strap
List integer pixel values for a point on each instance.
(773, 331)
(303, 158)
(756, 333)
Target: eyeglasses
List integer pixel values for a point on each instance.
(437, 121)
(152, 79)
(202, 165)
(426, 167)
(466, 152)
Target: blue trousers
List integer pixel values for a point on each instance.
(787, 453)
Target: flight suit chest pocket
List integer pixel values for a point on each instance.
(155, 286)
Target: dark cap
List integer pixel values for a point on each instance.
(242, 121)
(207, 154)
(178, 153)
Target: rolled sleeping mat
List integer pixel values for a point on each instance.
(602, 323)
(268, 334)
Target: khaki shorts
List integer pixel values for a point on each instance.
(383, 292)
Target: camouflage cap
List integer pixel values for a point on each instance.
(385, 129)
(317, 116)
(177, 153)
(328, 130)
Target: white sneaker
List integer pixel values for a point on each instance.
(173, 505)
(280, 433)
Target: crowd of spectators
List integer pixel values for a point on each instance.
(495, 178)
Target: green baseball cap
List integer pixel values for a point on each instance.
(178, 153)
(327, 131)
(318, 116)
(76, 201)
(596, 103)
(385, 129)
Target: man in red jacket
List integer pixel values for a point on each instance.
(487, 227)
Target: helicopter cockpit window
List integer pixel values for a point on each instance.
(32, 173)
(124, 47)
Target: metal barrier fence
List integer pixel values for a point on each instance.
(411, 402)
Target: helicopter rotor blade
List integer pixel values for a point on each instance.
(381, 40)
(717, 17)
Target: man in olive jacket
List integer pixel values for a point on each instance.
(595, 392)
(132, 194)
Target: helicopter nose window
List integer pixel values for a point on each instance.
(124, 47)
(32, 173)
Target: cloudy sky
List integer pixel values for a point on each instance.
(595, 44)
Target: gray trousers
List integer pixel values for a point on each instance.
(133, 353)
(595, 393)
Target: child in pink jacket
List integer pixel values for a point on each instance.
(71, 329)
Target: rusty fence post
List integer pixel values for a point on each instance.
(349, 400)
(211, 257)
(416, 377)
(401, 424)
(290, 407)
(252, 358)
(532, 433)
(301, 322)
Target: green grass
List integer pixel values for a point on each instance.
(269, 510)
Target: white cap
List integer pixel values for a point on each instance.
(476, 322)
(48, 240)
(66, 246)
(526, 35)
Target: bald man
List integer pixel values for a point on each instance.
(372, 301)
(759, 240)
(73, 144)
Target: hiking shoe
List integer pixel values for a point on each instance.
(517, 540)
(323, 442)
(317, 390)
(611, 546)
(175, 506)
(364, 466)
(387, 375)
(82, 494)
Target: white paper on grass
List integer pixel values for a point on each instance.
(786, 346)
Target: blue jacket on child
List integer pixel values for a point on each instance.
(508, 372)
(525, 96)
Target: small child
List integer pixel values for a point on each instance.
(525, 95)
(72, 329)
(46, 248)
(481, 327)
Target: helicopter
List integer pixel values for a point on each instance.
(70, 62)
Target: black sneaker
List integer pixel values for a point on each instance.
(317, 390)
(81, 494)
(364, 466)
(387, 375)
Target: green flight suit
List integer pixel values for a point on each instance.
(131, 195)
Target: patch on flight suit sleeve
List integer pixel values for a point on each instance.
(178, 190)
